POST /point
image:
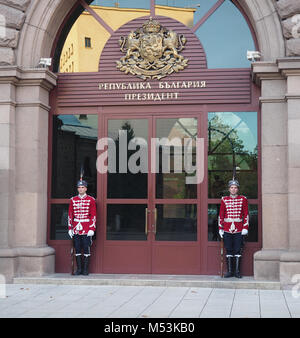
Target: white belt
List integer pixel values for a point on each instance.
(81, 220)
(229, 220)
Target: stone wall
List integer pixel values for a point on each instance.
(13, 14)
(289, 12)
(12, 18)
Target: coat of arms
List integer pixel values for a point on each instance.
(152, 52)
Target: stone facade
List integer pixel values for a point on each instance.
(27, 33)
(289, 12)
(11, 22)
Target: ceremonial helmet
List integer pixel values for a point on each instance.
(234, 181)
(81, 182)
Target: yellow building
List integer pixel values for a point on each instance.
(83, 46)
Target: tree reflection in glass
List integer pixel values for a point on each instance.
(232, 143)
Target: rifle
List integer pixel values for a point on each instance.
(72, 256)
(222, 256)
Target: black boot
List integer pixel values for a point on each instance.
(229, 267)
(237, 266)
(79, 265)
(85, 265)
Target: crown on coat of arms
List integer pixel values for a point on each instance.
(151, 26)
(152, 51)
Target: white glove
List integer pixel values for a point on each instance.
(71, 233)
(90, 233)
(244, 232)
(221, 233)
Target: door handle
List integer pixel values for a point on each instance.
(146, 221)
(155, 220)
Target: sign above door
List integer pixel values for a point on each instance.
(164, 63)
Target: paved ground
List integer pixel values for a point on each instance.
(104, 301)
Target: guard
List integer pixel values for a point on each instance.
(82, 225)
(233, 224)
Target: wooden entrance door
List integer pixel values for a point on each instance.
(151, 214)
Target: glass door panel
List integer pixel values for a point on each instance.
(127, 179)
(129, 159)
(176, 222)
(151, 211)
(127, 222)
(175, 151)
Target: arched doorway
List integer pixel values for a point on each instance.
(153, 222)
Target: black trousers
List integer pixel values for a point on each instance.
(233, 243)
(82, 243)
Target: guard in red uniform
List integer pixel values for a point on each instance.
(233, 224)
(82, 225)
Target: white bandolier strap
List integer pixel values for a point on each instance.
(81, 220)
(230, 220)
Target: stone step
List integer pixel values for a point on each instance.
(152, 280)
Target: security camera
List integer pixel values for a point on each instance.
(45, 62)
(253, 55)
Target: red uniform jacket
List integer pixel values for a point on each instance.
(82, 214)
(234, 215)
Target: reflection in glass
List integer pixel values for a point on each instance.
(226, 44)
(184, 11)
(213, 229)
(232, 142)
(74, 146)
(176, 222)
(126, 222)
(144, 4)
(75, 55)
(194, 8)
(170, 167)
(59, 222)
(127, 181)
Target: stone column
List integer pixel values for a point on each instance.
(8, 83)
(280, 109)
(274, 148)
(290, 260)
(25, 250)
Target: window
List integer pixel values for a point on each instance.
(232, 138)
(232, 143)
(87, 42)
(224, 33)
(74, 147)
(142, 4)
(225, 44)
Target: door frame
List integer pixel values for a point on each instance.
(150, 244)
(209, 250)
